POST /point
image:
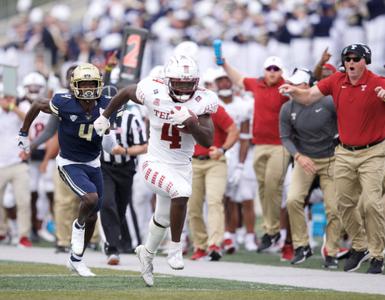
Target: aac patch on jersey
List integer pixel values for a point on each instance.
(73, 118)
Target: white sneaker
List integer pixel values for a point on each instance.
(250, 244)
(145, 259)
(113, 259)
(175, 256)
(80, 268)
(77, 239)
(45, 235)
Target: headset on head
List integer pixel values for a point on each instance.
(367, 55)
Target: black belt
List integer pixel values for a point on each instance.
(355, 148)
(201, 157)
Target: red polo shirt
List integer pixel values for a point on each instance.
(222, 121)
(267, 105)
(360, 113)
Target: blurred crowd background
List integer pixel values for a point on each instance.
(296, 30)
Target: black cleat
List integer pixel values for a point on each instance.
(376, 266)
(301, 254)
(267, 241)
(331, 263)
(355, 260)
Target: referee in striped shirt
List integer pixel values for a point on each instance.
(126, 140)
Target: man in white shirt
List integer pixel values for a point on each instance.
(12, 169)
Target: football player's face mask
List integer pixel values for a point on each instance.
(182, 77)
(86, 82)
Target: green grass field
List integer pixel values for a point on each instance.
(43, 281)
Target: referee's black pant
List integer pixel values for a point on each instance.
(117, 180)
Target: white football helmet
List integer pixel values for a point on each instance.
(86, 72)
(34, 85)
(182, 77)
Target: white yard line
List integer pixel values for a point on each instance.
(298, 277)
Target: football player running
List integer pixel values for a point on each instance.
(167, 167)
(80, 146)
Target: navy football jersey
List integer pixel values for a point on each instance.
(77, 138)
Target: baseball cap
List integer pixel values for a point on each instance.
(361, 50)
(273, 61)
(330, 67)
(300, 76)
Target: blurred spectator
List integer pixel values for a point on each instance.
(12, 169)
(209, 182)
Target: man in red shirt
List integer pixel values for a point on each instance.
(359, 97)
(209, 179)
(270, 157)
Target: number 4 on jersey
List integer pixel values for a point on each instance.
(173, 137)
(86, 134)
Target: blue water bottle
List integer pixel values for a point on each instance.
(217, 44)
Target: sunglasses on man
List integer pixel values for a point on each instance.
(355, 59)
(273, 69)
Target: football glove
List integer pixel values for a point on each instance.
(179, 114)
(23, 141)
(101, 124)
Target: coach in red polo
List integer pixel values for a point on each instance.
(270, 157)
(359, 97)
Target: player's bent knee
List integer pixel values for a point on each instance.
(91, 201)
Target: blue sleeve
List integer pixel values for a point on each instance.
(55, 104)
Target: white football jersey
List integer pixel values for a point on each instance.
(166, 143)
(239, 110)
(38, 124)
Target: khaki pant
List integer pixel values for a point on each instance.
(270, 166)
(209, 178)
(299, 189)
(66, 210)
(17, 175)
(3, 222)
(363, 168)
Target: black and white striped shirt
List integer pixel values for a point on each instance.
(129, 130)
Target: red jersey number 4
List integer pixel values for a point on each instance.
(171, 133)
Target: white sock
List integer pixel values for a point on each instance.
(175, 245)
(154, 237)
(12, 227)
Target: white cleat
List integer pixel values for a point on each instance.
(145, 259)
(45, 235)
(250, 244)
(77, 239)
(175, 257)
(80, 268)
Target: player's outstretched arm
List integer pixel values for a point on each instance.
(203, 131)
(122, 97)
(36, 108)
